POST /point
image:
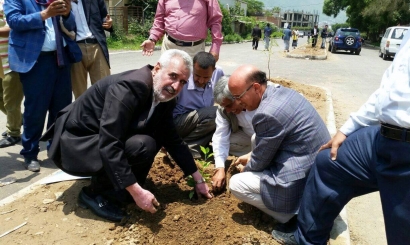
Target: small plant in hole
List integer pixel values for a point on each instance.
(202, 165)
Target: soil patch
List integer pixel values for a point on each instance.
(53, 216)
(307, 50)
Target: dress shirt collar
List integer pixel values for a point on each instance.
(191, 84)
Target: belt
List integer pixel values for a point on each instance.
(43, 53)
(183, 43)
(395, 132)
(88, 40)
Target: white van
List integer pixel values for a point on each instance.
(391, 41)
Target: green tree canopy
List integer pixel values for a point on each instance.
(255, 8)
(371, 16)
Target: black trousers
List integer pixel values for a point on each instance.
(255, 42)
(140, 151)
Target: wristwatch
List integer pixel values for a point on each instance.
(202, 180)
(152, 40)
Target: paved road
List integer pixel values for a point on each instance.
(350, 78)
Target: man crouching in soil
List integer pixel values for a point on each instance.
(114, 130)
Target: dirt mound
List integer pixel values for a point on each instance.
(53, 216)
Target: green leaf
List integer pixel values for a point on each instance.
(191, 194)
(202, 149)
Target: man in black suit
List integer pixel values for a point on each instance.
(114, 130)
(91, 18)
(315, 33)
(256, 35)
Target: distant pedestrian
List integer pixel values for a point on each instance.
(256, 35)
(314, 32)
(267, 32)
(295, 37)
(323, 34)
(287, 33)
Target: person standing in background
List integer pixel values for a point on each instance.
(314, 32)
(42, 53)
(11, 91)
(267, 32)
(91, 18)
(256, 35)
(323, 34)
(287, 33)
(295, 36)
(184, 25)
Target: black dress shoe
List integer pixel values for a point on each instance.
(4, 134)
(32, 164)
(100, 207)
(9, 141)
(288, 227)
(121, 197)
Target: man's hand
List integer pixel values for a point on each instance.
(216, 56)
(243, 160)
(147, 47)
(218, 179)
(203, 189)
(107, 23)
(143, 198)
(59, 7)
(334, 144)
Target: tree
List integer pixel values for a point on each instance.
(372, 16)
(255, 8)
(226, 21)
(150, 7)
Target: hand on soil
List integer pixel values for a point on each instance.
(218, 179)
(203, 189)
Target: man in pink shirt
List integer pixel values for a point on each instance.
(184, 25)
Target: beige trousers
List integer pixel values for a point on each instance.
(191, 50)
(93, 62)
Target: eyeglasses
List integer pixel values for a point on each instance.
(241, 95)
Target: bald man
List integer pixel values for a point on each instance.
(288, 134)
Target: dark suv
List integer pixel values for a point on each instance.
(347, 39)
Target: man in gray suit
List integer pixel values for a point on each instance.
(289, 132)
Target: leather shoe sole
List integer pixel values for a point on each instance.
(32, 165)
(9, 141)
(100, 207)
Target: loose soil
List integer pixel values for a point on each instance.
(53, 216)
(307, 49)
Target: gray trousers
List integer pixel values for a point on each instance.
(196, 128)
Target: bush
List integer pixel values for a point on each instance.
(233, 38)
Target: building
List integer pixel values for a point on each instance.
(299, 18)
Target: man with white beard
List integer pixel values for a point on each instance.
(114, 130)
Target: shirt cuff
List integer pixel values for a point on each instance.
(349, 127)
(219, 162)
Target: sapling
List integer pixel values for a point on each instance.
(202, 165)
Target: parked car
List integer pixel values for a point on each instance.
(301, 33)
(391, 41)
(347, 39)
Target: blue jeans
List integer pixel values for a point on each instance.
(366, 162)
(267, 40)
(47, 88)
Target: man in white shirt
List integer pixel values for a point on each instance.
(369, 153)
(233, 132)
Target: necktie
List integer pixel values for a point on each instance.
(57, 30)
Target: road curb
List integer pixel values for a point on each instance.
(340, 234)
